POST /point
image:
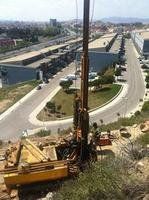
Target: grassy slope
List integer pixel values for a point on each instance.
(14, 93)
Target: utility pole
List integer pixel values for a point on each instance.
(84, 116)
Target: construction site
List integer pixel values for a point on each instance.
(33, 166)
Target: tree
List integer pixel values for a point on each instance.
(66, 85)
(51, 106)
(97, 83)
(118, 72)
(108, 79)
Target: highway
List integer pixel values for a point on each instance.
(15, 123)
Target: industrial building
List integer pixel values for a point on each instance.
(25, 67)
(141, 41)
(100, 52)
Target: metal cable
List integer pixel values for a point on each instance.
(77, 13)
(92, 15)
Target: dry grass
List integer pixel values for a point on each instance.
(11, 94)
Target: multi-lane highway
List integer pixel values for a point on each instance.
(13, 125)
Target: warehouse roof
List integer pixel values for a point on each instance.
(74, 41)
(145, 35)
(103, 41)
(32, 54)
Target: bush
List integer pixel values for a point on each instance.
(143, 139)
(104, 180)
(108, 79)
(137, 113)
(147, 85)
(43, 133)
(145, 107)
(147, 79)
(66, 85)
(1, 142)
(51, 106)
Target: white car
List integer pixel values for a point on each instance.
(64, 79)
(71, 77)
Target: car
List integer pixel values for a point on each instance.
(71, 77)
(64, 79)
(39, 87)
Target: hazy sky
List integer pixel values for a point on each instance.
(43, 10)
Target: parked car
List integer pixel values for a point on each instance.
(63, 79)
(71, 77)
(39, 87)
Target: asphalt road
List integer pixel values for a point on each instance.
(130, 101)
(14, 124)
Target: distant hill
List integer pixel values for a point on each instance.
(117, 20)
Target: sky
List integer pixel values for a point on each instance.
(43, 10)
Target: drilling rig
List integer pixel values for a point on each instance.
(27, 164)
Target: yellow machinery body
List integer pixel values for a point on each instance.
(14, 178)
(33, 165)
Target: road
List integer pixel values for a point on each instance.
(13, 125)
(125, 105)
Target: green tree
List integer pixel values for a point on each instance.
(66, 85)
(118, 72)
(97, 83)
(108, 79)
(51, 106)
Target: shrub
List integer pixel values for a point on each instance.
(143, 139)
(145, 107)
(137, 113)
(59, 107)
(103, 180)
(147, 85)
(66, 85)
(51, 106)
(1, 142)
(43, 133)
(147, 79)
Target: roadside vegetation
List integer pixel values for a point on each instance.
(137, 118)
(113, 177)
(12, 94)
(62, 104)
(119, 176)
(147, 80)
(43, 133)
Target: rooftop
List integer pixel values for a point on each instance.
(143, 32)
(102, 42)
(145, 35)
(32, 54)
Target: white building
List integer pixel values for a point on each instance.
(141, 41)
